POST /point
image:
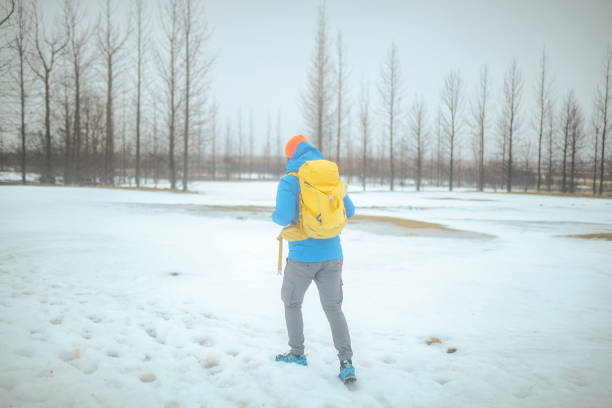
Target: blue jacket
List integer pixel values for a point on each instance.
(308, 250)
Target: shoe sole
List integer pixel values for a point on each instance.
(304, 364)
(349, 379)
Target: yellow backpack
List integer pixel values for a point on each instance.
(321, 202)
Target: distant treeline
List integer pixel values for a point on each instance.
(108, 102)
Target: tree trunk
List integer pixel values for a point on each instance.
(606, 96)
(22, 100)
(565, 136)
(109, 169)
(595, 161)
(48, 177)
(187, 97)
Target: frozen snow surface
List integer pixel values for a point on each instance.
(119, 298)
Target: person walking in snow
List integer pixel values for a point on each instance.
(313, 259)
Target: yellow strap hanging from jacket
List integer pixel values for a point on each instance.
(280, 254)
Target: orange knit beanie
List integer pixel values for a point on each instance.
(292, 144)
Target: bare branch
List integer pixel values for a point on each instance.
(10, 13)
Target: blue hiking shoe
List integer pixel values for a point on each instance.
(291, 358)
(347, 372)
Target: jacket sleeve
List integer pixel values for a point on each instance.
(349, 206)
(286, 201)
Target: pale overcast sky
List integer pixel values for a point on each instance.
(264, 47)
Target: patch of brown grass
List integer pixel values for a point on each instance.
(581, 194)
(245, 208)
(167, 190)
(399, 222)
(433, 340)
(607, 236)
(461, 199)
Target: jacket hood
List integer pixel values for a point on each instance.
(303, 153)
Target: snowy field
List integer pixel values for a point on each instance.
(119, 298)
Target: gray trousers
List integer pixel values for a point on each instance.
(328, 277)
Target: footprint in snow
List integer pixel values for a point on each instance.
(204, 341)
(151, 332)
(164, 315)
(95, 318)
(147, 377)
(69, 355)
(442, 380)
(210, 363)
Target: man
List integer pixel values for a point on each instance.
(311, 259)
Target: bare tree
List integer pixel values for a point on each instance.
(9, 14)
(79, 36)
(390, 89)
(268, 146)
(214, 112)
(197, 66)
(155, 141)
(418, 118)
(604, 101)
(576, 135)
(438, 152)
(480, 117)
(550, 141)
(48, 48)
(543, 87)
(527, 155)
(316, 101)
(141, 22)
(169, 73)
(364, 120)
(596, 128)
(110, 42)
(502, 130)
(228, 148)
(279, 145)
(19, 43)
(452, 100)
(348, 167)
(251, 143)
(567, 122)
(124, 147)
(342, 75)
(513, 85)
(67, 116)
(188, 27)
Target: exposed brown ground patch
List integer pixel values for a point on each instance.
(386, 225)
(461, 199)
(433, 340)
(241, 208)
(580, 194)
(398, 222)
(154, 189)
(607, 236)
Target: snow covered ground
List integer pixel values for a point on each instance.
(146, 299)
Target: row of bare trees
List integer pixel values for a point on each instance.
(56, 65)
(108, 100)
(500, 153)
